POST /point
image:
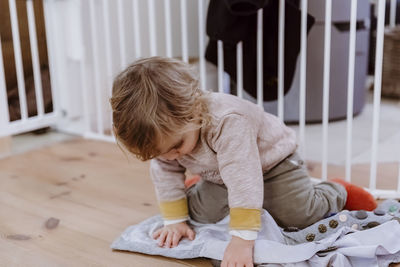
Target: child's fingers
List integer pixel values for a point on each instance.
(156, 234)
(190, 234)
(175, 240)
(161, 239)
(168, 242)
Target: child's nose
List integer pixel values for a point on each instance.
(177, 155)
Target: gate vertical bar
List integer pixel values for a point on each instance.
(4, 115)
(121, 33)
(53, 54)
(303, 72)
(325, 118)
(107, 37)
(377, 91)
(350, 88)
(239, 70)
(95, 55)
(18, 59)
(168, 39)
(260, 95)
(35, 58)
(136, 29)
(185, 56)
(281, 62)
(393, 7)
(398, 174)
(152, 20)
(220, 66)
(85, 86)
(201, 44)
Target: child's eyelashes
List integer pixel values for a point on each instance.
(178, 145)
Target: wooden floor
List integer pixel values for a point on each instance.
(63, 206)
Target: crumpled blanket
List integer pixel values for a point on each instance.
(377, 246)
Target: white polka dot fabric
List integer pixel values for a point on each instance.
(377, 245)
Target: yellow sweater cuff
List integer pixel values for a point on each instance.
(173, 210)
(245, 219)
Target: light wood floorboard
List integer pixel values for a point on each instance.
(92, 189)
(95, 191)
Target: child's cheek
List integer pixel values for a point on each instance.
(187, 149)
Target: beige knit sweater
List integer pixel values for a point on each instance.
(241, 144)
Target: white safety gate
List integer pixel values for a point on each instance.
(42, 119)
(90, 41)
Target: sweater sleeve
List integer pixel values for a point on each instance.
(235, 142)
(168, 177)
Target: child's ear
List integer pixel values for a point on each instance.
(114, 129)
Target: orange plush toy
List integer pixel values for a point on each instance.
(357, 197)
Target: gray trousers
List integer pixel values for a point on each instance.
(289, 196)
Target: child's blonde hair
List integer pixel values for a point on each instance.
(153, 98)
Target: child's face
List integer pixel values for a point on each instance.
(176, 146)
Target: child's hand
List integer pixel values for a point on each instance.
(170, 235)
(238, 253)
